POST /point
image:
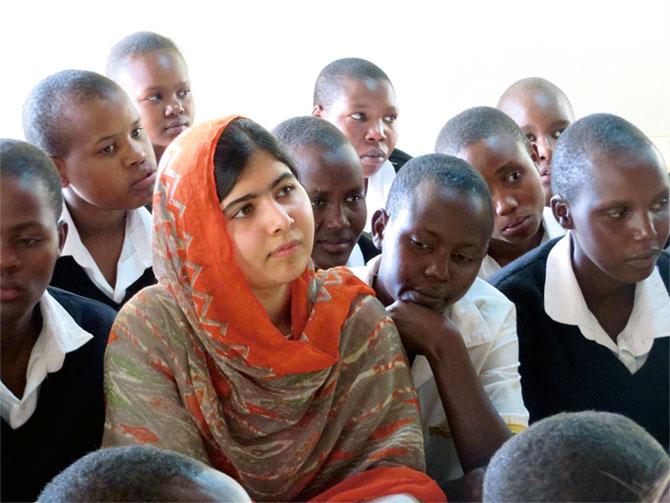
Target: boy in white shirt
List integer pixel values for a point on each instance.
(52, 342)
(93, 133)
(459, 331)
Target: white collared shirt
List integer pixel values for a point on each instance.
(551, 229)
(565, 303)
(356, 257)
(486, 320)
(135, 258)
(60, 335)
(379, 185)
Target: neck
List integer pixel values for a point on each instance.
(504, 252)
(597, 287)
(277, 303)
(92, 221)
(158, 151)
(16, 343)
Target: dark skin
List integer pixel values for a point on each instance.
(618, 229)
(431, 252)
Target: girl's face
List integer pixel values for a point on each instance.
(270, 223)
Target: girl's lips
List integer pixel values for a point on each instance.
(518, 226)
(147, 181)
(9, 293)
(286, 249)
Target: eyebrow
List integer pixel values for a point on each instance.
(135, 125)
(508, 166)
(254, 195)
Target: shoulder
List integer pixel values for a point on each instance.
(526, 271)
(91, 315)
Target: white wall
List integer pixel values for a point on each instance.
(260, 57)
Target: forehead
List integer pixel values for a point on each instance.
(373, 93)
(490, 155)
(632, 175)
(258, 175)
(328, 169)
(25, 201)
(90, 120)
(450, 214)
(154, 68)
(531, 106)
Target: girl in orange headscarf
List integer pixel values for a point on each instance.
(293, 382)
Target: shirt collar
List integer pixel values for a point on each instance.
(60, 335)
(135, 258)
(550, 229)
(564, 303)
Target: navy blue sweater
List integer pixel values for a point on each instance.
(70, 413)
(563, 371)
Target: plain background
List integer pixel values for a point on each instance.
(260, 57)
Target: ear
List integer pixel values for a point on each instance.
(379, 220)
(317, 110)
(62, 235)
(60, 165)
(561, 210)
(534, 153)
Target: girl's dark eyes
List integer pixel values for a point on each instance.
(419, 245)
(183, 93)
(136, 132)
(358, 116)
(617, 213)
(318, 202)
(514, 177)
(154, 97)
(286, 190)
(244, 211)
(109, 149)
(557, 133)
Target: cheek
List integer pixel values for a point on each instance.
(357, 216)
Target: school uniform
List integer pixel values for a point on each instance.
(76, 270)
(551, 229)
(379, 185)
(569, 363)
(487, 323)
(59, 416)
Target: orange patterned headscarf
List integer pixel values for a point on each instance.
(195, 365)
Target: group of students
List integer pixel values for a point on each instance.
(516, 273)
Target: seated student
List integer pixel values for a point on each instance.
(542, 111)
(91, 130)
(433, 235)
(141, 473)
(358, 97)
(330, 171)
(495, 146)
(593, 310)
(153, 72)
(293, 382)
(52, 342)
(577, 456)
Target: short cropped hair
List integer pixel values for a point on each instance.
(309, 131)
(572, 158)
(534, 84)
(329, 81)
(473, 125)
(443, 171)
(28, 163)
(130, 473)
(140, 42)
(43, 123)
(239, 141)
(578, 456)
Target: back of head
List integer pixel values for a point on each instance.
(576, 148)
(330, 79)
(532, 85)
(582, 456)
(46, 106)
(138, 473)
(473, 125)
(29, 164)
(309, 132)
(445, 172)
(140, 42)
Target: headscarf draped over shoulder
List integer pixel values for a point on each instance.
(195, 365)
